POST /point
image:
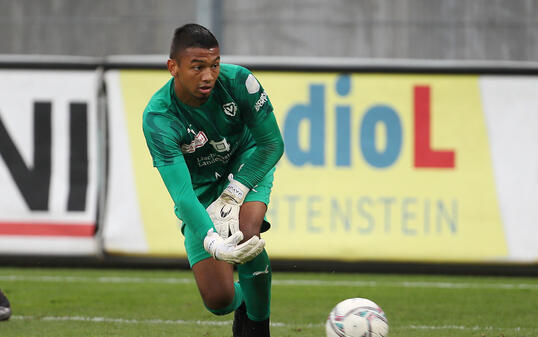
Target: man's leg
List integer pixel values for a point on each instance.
(216, 285)
(214, 278)
(255, 275)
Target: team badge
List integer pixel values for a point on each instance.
(222, 146)
(230, 108)
(199, 140)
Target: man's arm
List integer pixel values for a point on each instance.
(259, 118)
(163, 134)
(177, 179)
(269, 149)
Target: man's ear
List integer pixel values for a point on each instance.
(172, 67)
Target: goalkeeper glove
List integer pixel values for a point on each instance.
(228, 249)
(224, 212)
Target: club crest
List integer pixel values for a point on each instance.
(230, 108)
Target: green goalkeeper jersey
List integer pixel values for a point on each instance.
(194, 148)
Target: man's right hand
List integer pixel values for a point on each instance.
(228, 249)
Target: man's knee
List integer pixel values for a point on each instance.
(223, 303)
(217, 302)
(215, 283)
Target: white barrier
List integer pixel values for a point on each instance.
(48, 175)
(511, 110)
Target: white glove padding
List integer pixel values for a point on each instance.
(224, 212)
(228, 249)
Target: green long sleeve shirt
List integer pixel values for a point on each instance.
(194, 147)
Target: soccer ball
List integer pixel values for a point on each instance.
(357, 317)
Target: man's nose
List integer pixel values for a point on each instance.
(207, 75)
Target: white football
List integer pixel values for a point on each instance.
(357, 317)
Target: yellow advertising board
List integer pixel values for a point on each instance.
(156, 208)
(383, 167)
(376, 167)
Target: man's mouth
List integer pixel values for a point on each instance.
(205, 89)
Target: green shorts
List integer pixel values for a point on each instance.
(261, 192)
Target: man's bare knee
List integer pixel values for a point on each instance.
(217, 301)
(215, 282)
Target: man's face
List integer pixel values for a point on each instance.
(195, 72)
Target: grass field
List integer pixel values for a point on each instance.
(92, 302)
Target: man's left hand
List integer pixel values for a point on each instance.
(224, 212)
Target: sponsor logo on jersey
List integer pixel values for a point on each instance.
(230, 108)
(199, 140)
(252, 84)
(261, 101)
(213, 158)
(222, 146)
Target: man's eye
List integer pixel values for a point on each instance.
(215, 66)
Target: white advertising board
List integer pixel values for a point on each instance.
(511, 109)
(48, 162)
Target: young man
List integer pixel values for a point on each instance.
(215, 141)
(5, 308)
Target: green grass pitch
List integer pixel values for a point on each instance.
(108, 302)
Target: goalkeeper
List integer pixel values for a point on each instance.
(214, 139)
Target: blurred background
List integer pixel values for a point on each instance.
(410, 128)
(410, 172)
(409, 29)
